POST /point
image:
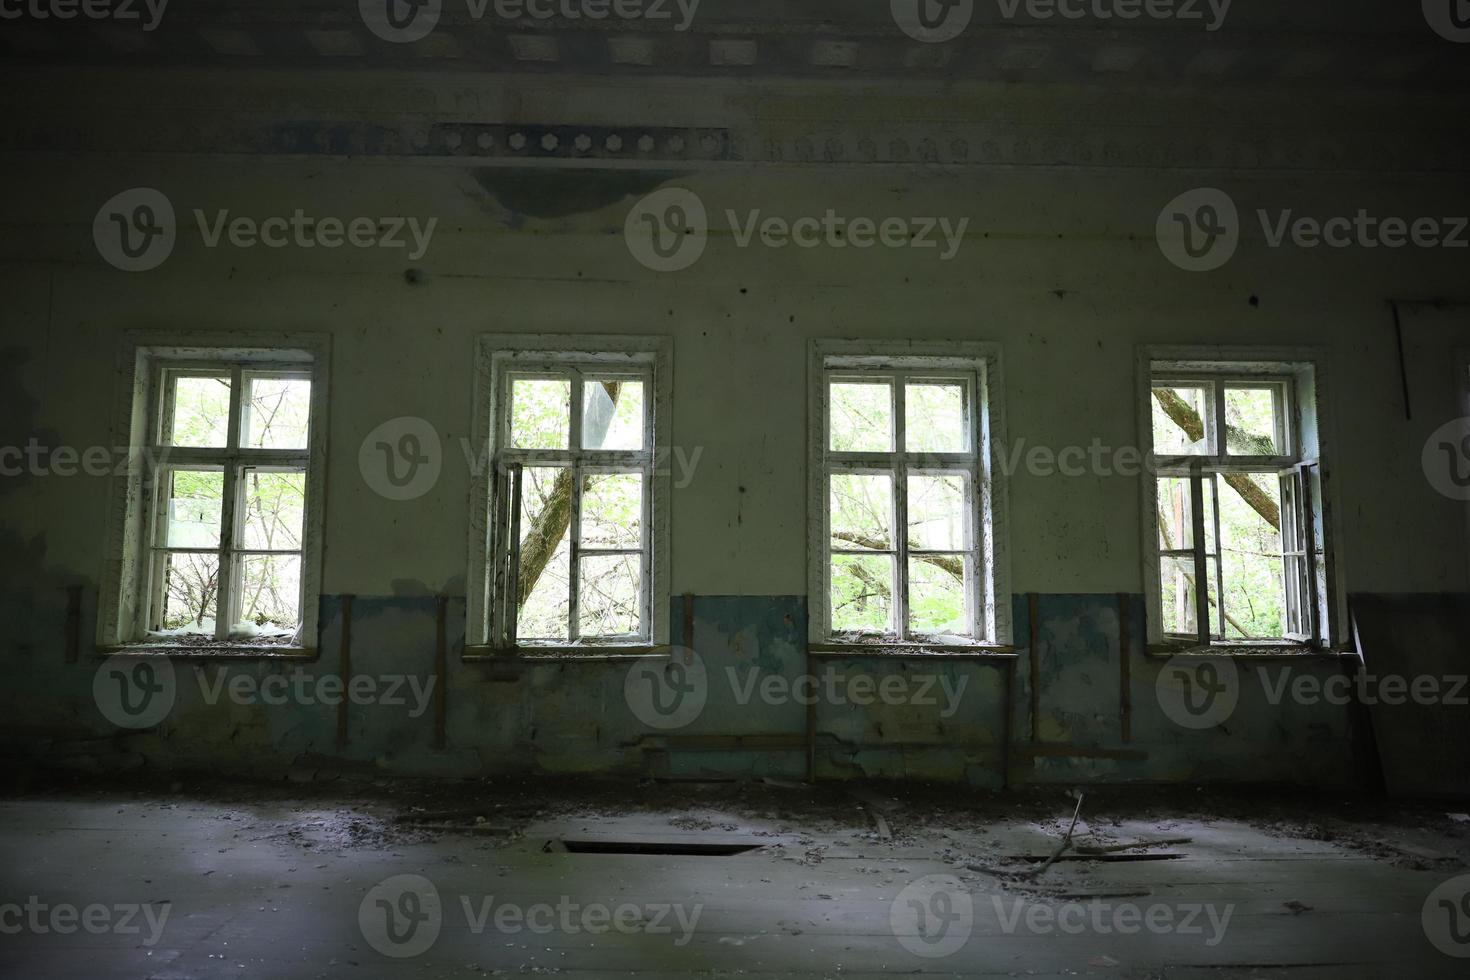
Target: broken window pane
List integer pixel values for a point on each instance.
(540, 413)
(1181, 421)
(862, 593)
(276, 413)
(274, 510)
(938, 585)
(1250, 518)
(1250, 420)
(194, 498)
(608, 594)
(861, 416)
(612, 414)
(936, 506)
(190, 590)
(270, 594)
(612, 510)
(545, 569)
(862, 511)
(935, 418)
(201, 413)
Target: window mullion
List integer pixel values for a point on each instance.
(900, 510)
(225, 572)
(1201, 566)
(574, 536)
(1219, 554)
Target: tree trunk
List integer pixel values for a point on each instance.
(1188, 419)
(539, 541)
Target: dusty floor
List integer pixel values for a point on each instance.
(574, 878)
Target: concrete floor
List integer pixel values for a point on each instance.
(300, 883)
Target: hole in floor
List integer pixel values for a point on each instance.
(699, 848)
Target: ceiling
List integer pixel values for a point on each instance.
(1386, 45)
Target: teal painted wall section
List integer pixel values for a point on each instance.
(869, 716)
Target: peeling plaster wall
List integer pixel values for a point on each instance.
(1059, 267)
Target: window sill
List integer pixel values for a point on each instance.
(915, 650)
(544, 655)
(223, 651)
(1254, 650)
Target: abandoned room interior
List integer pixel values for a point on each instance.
(735, 488)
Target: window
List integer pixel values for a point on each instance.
(220, 543)
(904, 536)
(1235, 504)
(575, 505)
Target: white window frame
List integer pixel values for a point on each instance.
(494, 501)
(132, 576)
(1315, 608)
(979, 364)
